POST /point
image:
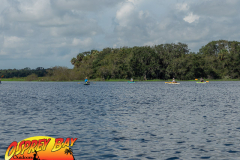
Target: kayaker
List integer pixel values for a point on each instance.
(173, 81)
(35, 156)
(201, 80)
(86, 80)
(131, 80)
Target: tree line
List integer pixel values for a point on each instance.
(216, 60)
(56, 73)
(10, 73)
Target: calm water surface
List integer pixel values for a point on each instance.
(118, 120)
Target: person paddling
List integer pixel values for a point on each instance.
(35, 156)
(201, 80)
(131, 80)
(173, 81)
(86, 80)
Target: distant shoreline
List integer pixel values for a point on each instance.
(110, 80)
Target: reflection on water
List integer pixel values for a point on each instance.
(118, 120)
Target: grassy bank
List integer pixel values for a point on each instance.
(14, 79)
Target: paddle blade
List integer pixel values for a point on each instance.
(207, 81)
(196, 79)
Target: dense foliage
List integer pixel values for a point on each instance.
(56, 73)
(10, 73)
(217, 59)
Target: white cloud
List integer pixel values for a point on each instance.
(29, 11)
(2, 52)
(124, 13)
(142, 14)
(12, 42)
(191, 18)
(84, 5)
(54, 30)
(216, 9)
(83, 43)
(135, 2)
(182, 7)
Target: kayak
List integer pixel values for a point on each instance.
(171, 83)
(87, 83)
(131, 82)
(201, 82)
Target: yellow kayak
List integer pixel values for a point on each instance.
(171, 83)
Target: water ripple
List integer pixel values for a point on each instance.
(117, 120)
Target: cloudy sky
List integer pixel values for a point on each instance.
(48, 33)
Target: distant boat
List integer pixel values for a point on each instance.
(201, 82)
(131, 82)
(171, 83)
(87, 83)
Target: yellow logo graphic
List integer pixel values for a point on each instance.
(41, 148)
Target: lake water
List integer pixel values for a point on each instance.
(118, 120)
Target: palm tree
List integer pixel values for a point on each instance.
(69, 151)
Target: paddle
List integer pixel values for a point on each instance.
(207, 81)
